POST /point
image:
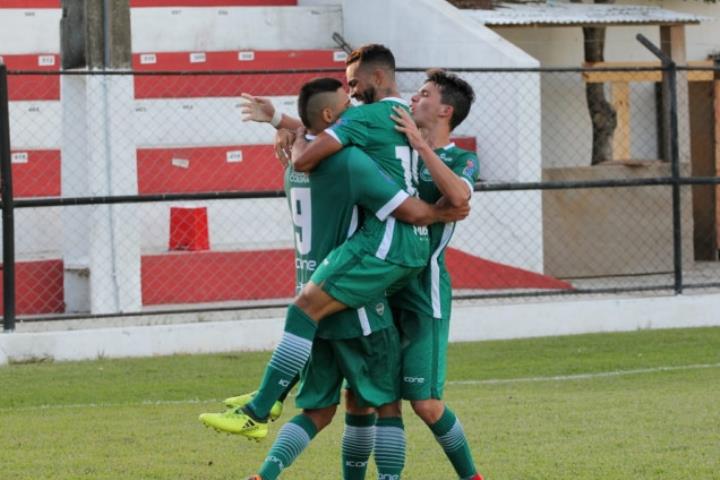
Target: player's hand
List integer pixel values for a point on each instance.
(283, 145)
(256, 109)
(406, 125)
(447, 213)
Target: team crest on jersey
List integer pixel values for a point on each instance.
(469, 169)
(380, 308)
(425, 175)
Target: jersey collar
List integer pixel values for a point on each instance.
(396, 100)
(310, 137)
(449, 146)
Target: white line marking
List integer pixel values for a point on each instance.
(498, 381)
(584, 376)
(143, 403)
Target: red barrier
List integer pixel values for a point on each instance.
(208, 169)
(36, 173)
(33, 87)
(38, 287)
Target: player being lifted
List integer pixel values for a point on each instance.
(423, 308)
(360, 345)
(381, 256)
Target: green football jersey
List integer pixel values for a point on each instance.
(371, 128)
(430, 292)
(324, 209)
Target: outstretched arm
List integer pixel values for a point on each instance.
(306, 156)
(454, 188)
(259, 109)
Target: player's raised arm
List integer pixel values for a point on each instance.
(306, 156)
(261, 110)
(454, 189)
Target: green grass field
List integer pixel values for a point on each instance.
(641, 405)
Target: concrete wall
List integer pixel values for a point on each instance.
(261, 330)
(601, 232)
(505, 118)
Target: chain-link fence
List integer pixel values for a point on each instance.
(140, 193)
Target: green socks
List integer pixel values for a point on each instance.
(357, 445)
(389, 448)
(450, 435)
(288, 359)
(292, 439)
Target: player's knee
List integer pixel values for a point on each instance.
(429, 411)
(352, 407)
(312, 300)
(390, 410)
(321, 417)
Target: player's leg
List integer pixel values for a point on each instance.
(358, 438)
(346, 278)
(424, 351)
(318, 396)
(371, 366)
(291, 354)
(390, 442)
(288, 358)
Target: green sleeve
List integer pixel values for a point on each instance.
(467, 167)
(351, 128)
(372, 188)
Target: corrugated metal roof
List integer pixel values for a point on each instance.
(554, 14)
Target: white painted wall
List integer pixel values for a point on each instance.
(231, 331)
(505, 118)
(29, 30)
(234, 28)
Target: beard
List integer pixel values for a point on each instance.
(367, 96)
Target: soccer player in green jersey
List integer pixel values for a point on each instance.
(422, 308)
(440, 105)
(360, 345)
(313, 215)
(382, 256)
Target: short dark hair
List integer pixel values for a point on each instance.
(372, 53)
(312, 88)
(454, 91)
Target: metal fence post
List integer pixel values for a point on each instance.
(8, 221)
(670, 79)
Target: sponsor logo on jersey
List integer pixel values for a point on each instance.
(445, 158)
(299, 177)
(305, 264)
(380, 308)
(413, 379)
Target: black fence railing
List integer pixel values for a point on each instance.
(141, 193)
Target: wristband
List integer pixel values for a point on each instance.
(276, 119)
